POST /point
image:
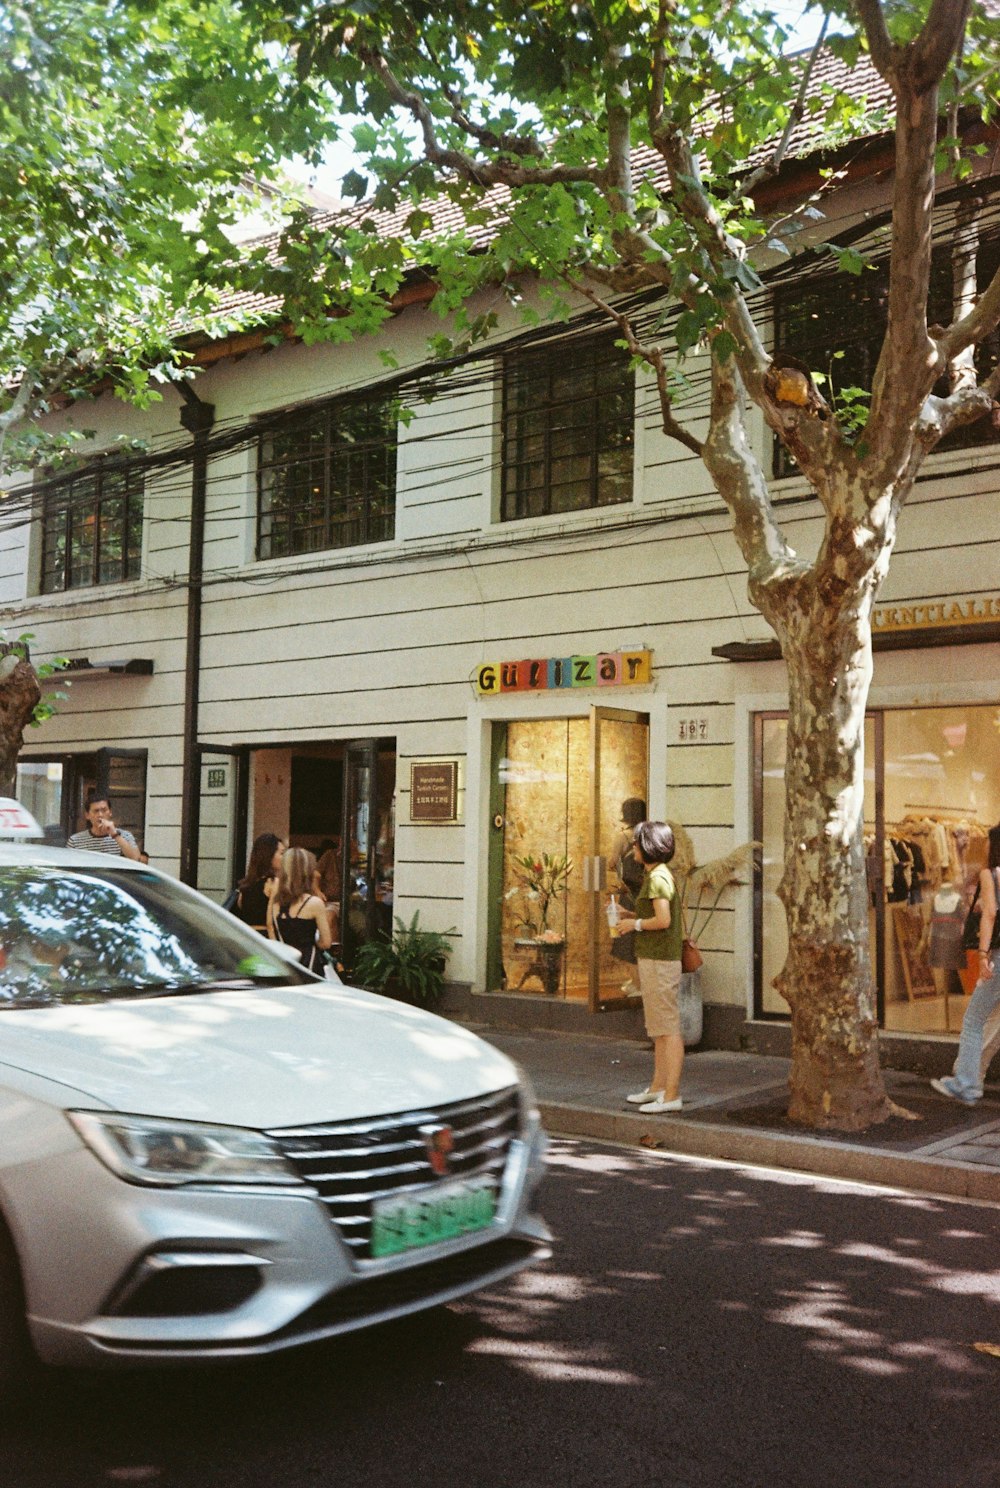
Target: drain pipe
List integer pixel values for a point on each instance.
(198, 418)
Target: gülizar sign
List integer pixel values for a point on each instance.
(605, 669)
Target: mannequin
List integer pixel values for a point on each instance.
(945, 953)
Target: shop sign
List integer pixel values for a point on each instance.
(434, 791)
(605, 669)
(937, 612)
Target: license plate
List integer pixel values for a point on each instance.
(441, 1213)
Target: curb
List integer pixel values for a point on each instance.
(774, 1150)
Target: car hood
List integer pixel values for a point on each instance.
(261, 1058)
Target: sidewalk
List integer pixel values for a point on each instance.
(734, 1108)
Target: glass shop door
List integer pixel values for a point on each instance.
(557, 789)
(369, 836)
(619, 772)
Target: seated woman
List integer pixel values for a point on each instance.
(296, 914)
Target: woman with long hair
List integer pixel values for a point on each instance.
(257, 884)
(295, 913)
(659, 934)
(965, 1083)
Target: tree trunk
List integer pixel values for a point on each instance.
(835, 1080)
(19, 696)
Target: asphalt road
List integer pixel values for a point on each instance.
(699, 1325)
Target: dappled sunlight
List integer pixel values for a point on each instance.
(874, 1258)
(549, 1362)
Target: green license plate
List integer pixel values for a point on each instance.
(441, 1213)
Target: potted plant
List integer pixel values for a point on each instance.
(541, 882)
(700, 887)
(408, 965)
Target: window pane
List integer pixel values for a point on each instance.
(92, 527)
(328, 480)
(565, 409)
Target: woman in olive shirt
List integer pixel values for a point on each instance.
(659, 936)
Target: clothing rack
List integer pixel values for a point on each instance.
(954, 810)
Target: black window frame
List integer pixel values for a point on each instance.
(313, 447)
(89, 493)
(857, 304)
(531, 413)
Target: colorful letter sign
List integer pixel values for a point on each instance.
(606, 669)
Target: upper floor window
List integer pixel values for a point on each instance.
(92, 526)
(836, 323)
(568, 435)
(326, 478)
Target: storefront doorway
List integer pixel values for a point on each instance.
(54, 788)
(336, 799)
(932, 791)
(557, 790)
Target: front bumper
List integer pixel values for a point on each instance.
(231, 1273)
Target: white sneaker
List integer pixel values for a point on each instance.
(643, 1096)
(658, 1106)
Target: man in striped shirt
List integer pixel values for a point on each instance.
(102, 835)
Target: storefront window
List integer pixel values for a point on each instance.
(932, 790)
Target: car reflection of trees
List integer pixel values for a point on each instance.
(111, 940)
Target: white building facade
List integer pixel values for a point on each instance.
(454, 635)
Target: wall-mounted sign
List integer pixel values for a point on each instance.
(936, 612)
(216, 778)
(606, 669)
(434, 791)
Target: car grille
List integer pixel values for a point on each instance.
(350, 1164)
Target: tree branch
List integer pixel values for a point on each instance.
(771, 167)
(507, 144)
(979, 321)
(940, 39)
(732, 464)
(651, 355)
(879, 45)
(481, 172)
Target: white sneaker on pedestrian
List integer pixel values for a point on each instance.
(643, 1096)
(658, 1106)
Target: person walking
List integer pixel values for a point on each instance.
(255, 888)
(659, 934)
(965, 1083)
(102, 835)
(296, 914)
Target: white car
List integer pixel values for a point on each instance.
(206, 1152)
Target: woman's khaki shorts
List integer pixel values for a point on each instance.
(659, 983)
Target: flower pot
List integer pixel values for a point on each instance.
(691, 1008)
(546, 964)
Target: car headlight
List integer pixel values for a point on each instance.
(163, 1153)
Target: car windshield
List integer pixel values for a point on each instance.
(96, 934)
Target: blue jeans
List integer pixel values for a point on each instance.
(966, 1078)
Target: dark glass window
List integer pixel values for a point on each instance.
(836, 323)
(568, 436)
(326, 478)
(92, 527)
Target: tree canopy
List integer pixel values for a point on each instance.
(120, 169)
